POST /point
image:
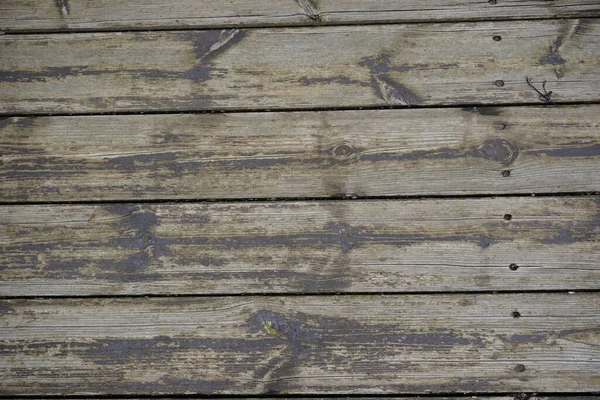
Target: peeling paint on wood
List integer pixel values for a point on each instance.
(299, 247)
(32, 15)
(404, 65)
(294, 345)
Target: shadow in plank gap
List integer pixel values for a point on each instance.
(549, 243)
(295, 68)
(296, 345)
(340, 154)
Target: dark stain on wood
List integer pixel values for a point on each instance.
(381, 64)
(138, 248)
(273, 345)
(64, 7)
(522, 338)
(553, 57)
(592, 150)
(5, 309)
(164, 348)
(574, 233)
(567, 31)
(393, 92)
(486, 111)
(63, 72)
(386, 88)
(137, 224)
(4, 122)
(207, 46)
(42, 75)
(341, 79)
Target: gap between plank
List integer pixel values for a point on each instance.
(306, 109)
(299, 199)
(534, 396)
(303, 294)
(278, 26)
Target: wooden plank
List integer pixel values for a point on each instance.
(301, 154)
(399, 65)
(81, 15)
(297, 345)
(516, 396)
(299, 247)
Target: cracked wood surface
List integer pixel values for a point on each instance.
(301, 247)
(81, 15)
(293, 345)
(301, 154)
(295, 68)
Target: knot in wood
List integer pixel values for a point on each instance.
(499, 150)
(343, 150)
(520, 368)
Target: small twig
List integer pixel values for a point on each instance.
(543, 96)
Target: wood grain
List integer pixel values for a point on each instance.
(295, 68)
(296, 345)
(516, 396)
(82, 15)
(301, 154)
(301, 247)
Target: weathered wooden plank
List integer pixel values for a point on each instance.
(81, 15)
(295, 345)
(301, 154)
(516, 396)
(299, 247)
(420, 64)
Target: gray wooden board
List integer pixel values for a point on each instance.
(81, 15)
(301, 154)
(516, 396)
(299, 247)
(295, 345)
(299, 68)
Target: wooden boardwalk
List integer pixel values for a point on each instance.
(295, 198)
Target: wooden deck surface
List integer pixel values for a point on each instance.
(300, 198)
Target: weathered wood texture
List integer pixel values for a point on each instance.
(301, 154)
(516, 396)
(299, 247)
(320, 344)
(420, 64)
(81, 15)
